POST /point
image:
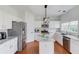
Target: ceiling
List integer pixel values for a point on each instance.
(52, 10)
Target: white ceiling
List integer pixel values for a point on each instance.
(52, 10)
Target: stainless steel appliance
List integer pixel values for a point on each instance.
(66, 43)
(2, 35)
(19, 30)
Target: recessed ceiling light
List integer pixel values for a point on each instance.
(59, 10)
(64, 10)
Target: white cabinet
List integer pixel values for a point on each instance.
(46, 47)
(4, 48)
(1, 19)
(17, 19)
(74, 46)
(59, 38)
(54, 24)
(9, 47)
(38, 24)
(5, 21)
(13, 46)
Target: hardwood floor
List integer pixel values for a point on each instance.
(31, 48)
(58, 49)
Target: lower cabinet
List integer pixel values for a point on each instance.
(58, 37)
(74, 46)
(46, 47)
(9, 47)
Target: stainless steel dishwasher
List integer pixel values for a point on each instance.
(66, 43)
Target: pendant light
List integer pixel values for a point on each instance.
(45, 18)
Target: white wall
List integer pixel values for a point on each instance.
(30, 19)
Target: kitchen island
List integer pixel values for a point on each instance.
(46, 47)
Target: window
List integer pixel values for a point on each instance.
(70, 27)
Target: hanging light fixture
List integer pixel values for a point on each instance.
(45, 18)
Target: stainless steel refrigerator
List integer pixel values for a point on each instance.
(19, 30)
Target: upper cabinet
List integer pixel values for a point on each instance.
(1, 19)
(6, 20)
(14, 18)
(54, 24)
(38, 24)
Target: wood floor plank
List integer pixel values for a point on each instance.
(31, 48)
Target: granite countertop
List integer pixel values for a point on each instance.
(8, 38)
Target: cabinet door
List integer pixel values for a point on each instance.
(59, 38)
(46, 47)
(17, 19)
(54, 24)
(74, 47)
(7, 21)
(9, 47)
(13, 46)
(9, 25)
(57, 24)
(38, 24)
(4, 48)
(1, 19)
